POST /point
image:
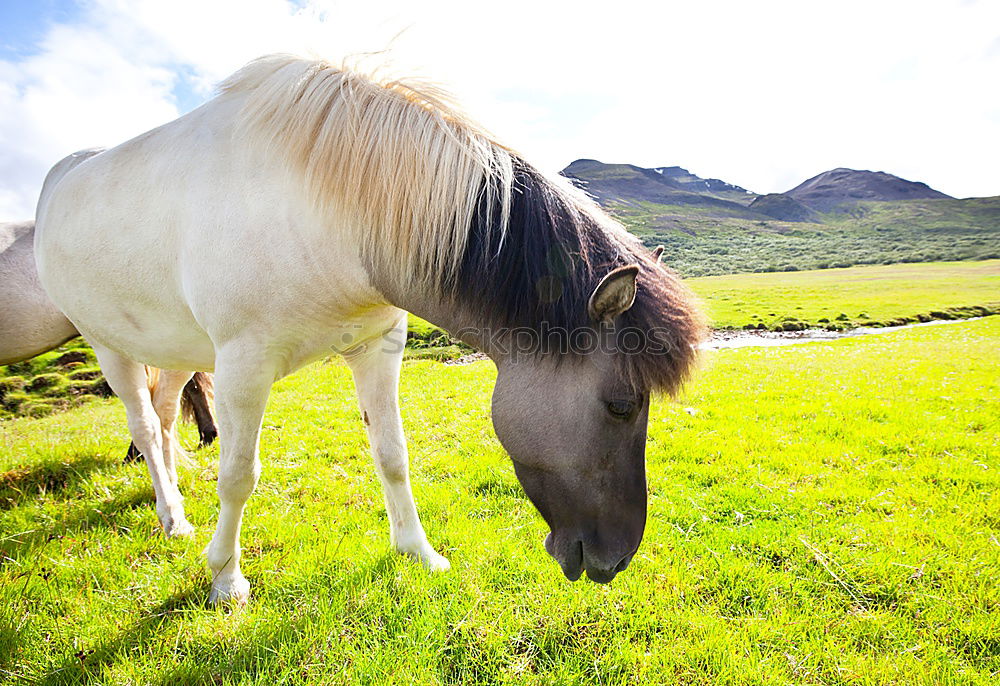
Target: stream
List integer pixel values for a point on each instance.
(722, 339)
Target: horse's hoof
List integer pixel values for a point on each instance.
(436, 563)
(433, 561)
(233, 590)
(179, 527)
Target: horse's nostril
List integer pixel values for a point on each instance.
(621, 566)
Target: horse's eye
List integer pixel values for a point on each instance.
(622, 409)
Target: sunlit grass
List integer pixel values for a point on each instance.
(824, 513)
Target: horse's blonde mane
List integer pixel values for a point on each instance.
(396, 158)
(435, 203)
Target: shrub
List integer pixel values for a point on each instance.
(438, 354)
(10, 384)
(44, 381)
(85, 373)
(37, 408)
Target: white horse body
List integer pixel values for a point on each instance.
(185, 248)
(229, 252)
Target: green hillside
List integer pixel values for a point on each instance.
(710, 227)
(703, 241)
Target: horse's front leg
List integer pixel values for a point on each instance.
(242, 386)
(376, 376)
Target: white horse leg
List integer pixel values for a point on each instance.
(128, 380)
(166, 403)
(241, 395)
(376, 376)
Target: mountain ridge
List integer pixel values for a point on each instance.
(823, 192)
(830, 189)
(838, 218)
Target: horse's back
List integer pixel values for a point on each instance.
(30, 323)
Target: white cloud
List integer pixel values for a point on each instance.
(760, 94)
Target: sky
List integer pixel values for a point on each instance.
(761, 94)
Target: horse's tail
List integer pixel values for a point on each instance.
(196, 406)
(207, 386)
(152, 380)
(189, 411)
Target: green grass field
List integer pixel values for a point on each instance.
(857, 296)
(826, 513)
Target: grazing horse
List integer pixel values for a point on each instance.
(31, 324)
(300, 212)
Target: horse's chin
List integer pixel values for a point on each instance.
(569, 555)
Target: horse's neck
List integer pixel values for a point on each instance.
(454, 318)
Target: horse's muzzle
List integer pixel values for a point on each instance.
(573, 558)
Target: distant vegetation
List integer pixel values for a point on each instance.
(56, 380)
(871, 233)
(709, 227)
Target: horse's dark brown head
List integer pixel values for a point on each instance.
(575, 428)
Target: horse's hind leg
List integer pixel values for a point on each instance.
(128, 380)
(242, 387)
(376, 376)
(163, 386)
(166, 403)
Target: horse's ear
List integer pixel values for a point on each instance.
(658, 253)
(614, 294)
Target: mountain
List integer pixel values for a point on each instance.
(718, 188)
(839, 218)
(824, 192)
(616, 184)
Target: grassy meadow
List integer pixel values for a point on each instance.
(826, 513)
(857, 296)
